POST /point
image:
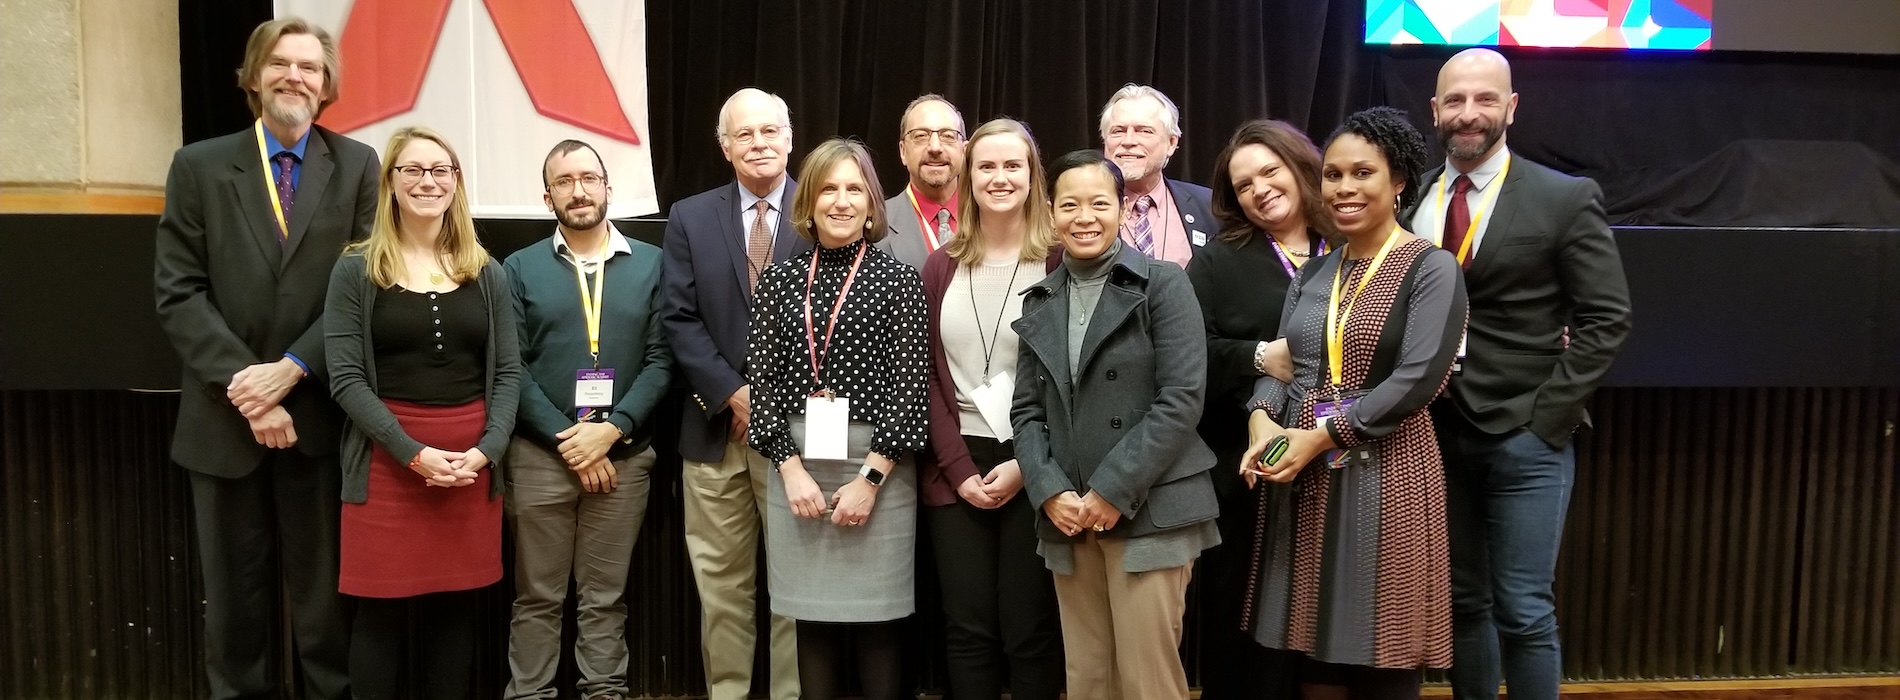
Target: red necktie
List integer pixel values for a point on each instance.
(1457, 215)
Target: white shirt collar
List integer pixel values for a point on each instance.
(1482, 175)
(616, 243)
(747, 200)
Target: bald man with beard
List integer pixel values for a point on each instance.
(1549, 311)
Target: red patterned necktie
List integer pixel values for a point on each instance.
(1457, 215)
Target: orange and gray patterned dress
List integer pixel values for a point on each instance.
(1351, 565)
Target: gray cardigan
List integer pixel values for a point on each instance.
(351, 354)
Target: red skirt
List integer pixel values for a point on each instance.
(410, 538)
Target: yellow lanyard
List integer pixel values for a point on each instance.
(591, 305)
(1471, 231)
(270, 184)
(1336, 316)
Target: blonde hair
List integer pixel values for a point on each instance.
(1039, 228)
(382, 251)
(818, 167)
(264, 40)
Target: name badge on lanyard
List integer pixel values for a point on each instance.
(1338, 312)
(827, 415)
(593, 386)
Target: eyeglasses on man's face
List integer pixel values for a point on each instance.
(564, 185)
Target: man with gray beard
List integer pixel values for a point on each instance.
(252, 226)
(587, 305)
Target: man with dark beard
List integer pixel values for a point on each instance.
(1549, 310)
(587, 304)
(252, 226)
(924, 215)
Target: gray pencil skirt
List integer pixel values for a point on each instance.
(820, 572)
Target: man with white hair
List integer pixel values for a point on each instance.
(717, 243)
(1162, 217)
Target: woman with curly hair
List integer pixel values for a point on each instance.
(1353, 562)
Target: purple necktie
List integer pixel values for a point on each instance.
(286, 192)
(1144, 232)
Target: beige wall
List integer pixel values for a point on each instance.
(89, 94)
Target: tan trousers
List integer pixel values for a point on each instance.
(1122, 631)
(725, 513)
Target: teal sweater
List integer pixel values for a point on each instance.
(554, 340)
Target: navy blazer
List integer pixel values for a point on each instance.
(706, 306)
(1195, 204)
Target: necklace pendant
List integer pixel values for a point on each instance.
(435, 278)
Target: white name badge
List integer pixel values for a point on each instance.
(594, 388)
(992, 400)
(1200, 238)
(827, 428)
(1458, 363)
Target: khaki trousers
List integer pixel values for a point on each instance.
(725, 513)
(1122, 631)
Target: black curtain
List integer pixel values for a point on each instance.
(1629, 119)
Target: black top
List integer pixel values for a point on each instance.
(430, 346)
(877, 358)
(1242, 290)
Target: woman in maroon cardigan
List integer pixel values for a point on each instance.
(999, 601)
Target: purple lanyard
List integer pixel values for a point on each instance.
(1286, 262)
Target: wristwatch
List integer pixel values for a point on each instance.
(872, 475)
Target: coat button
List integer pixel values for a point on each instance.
(1115, 423)
(1111, 375)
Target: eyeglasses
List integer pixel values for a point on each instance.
(922, 137)
(565, 185)
(412, 174)
(770, 132)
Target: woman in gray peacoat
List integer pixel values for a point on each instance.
(1111, 378)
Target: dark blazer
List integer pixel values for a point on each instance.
(1548, 261)
(706, 306)
(349, 313)
(947, 463)
(1195, 204)
(229, 296)
(1123, 426)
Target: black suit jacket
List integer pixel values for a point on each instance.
(1195, 205)
(229, 296)
(707, 306)
(1547, 262)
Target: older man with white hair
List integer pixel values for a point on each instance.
(717, 243)
(1164, 218)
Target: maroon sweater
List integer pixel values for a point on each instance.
(947, 462)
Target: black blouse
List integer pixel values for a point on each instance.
(877, 356)
(431, 347)
(1242, 290)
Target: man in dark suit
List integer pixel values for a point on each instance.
(252, 226)
(924, 215)
(717, 243)
(1165, 219)
(1549, 310)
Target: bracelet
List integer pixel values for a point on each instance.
(1260, 358)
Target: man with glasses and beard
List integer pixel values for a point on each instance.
(252, 227)
(1549, 310)
(587, 304)
(924, 215)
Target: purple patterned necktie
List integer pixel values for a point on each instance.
(286, 193)
(1144, 234)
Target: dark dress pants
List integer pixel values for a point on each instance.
(267, 537)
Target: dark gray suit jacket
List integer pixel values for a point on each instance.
(1123, 425)
(229, 296)
(1548, 261)
(707, 306)
(1195, 204)
(906, 238)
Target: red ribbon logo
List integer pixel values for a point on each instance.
(387, 44)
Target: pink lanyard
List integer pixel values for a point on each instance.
(816, 352)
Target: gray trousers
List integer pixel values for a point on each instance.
(561, 530)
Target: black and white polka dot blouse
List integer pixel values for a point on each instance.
(877, 357)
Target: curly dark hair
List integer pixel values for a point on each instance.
(1391, 131)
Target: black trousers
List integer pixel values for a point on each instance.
(427, 640)
(1002, 626)
(261, 536)
(1233, 665)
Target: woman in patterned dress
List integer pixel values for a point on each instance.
(838, 364)
(1352, 564)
